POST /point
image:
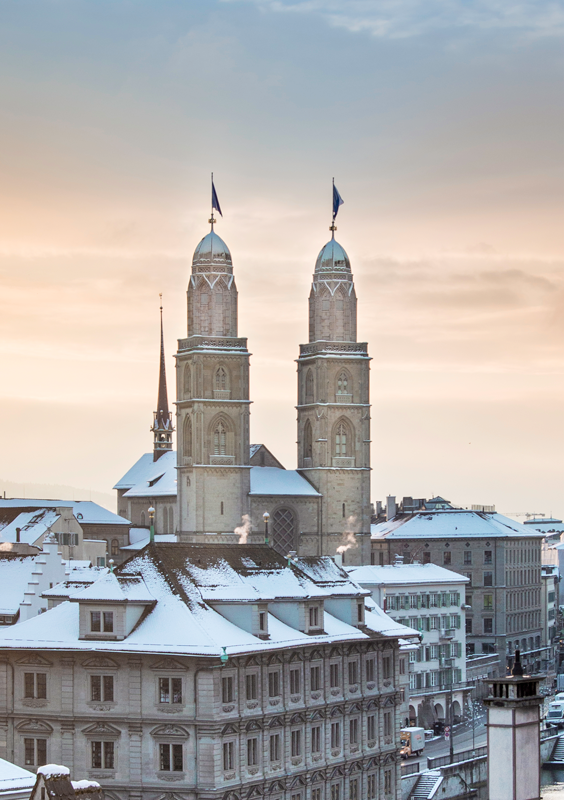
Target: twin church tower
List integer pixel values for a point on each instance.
(220, 476)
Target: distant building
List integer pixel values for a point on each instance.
(430, 599)
(228, 672)
(502, 561)
(549, 611)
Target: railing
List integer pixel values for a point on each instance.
(465, 755)
(410, 769)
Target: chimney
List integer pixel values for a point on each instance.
(338, 559)
(391, 507)
(18, 531)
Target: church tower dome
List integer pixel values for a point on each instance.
(212, 293)
(332, 258)
(212, 250)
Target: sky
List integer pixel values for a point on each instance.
(442, 124)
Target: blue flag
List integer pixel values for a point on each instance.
(215, 201)
(337, 201)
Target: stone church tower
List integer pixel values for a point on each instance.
(212, 379)
(334, 412)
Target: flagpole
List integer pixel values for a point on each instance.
(212, 220)
(333, 226)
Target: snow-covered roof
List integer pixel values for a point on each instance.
(403, 574)
(187, 580)
(546, 525)
(149, 478)
(53, 770)
(32, 524)
(274, 481)
(15, 574)
(140, 543)
(450, 524)
(115, 589)
(253, 449)
(14, 778)
(84, 510)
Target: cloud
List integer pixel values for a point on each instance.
(408, 18)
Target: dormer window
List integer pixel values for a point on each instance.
(262, 622)
(314, 617)
(360, 613)
(102, 621)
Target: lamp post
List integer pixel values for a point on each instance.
(152, 525)
(266, 517)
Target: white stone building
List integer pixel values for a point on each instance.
(430, 599)
(211, 673)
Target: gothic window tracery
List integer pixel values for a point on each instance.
(188, 437)
(309, 386)
(342, 439)
(187, 382)
(343, 383)
(219, 439)
(308, 440)
(221, 383)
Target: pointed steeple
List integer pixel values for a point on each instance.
(162, 418)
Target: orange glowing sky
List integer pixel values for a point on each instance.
(442, 124)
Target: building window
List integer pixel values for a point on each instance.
(275, 748)
(488, 578)
(334, 676)
(371, 726)
(309, 386)
(35, 685)
(188, 437)
(387, 667)
(170, 758)
(316, 794)
(35, 752)
(387, 723)
(262, 621)
(296, 743)
(102, 621)
(315, 678)
(488, 648)
(219, 440)
(187, 383)
(468, 625)
(102, 688)
(335, 791)
(426, 557)
(316, 739)
(488, 625)
(228, 755)
(487, 557)
(342, 384)
(220, 509)
(370, 670)
(283, 530)
(467, 556)
(488, 602)
(170, 690)
(102, 755)
(295, 683)
(360, 613)
(387, 781)
(252, 686)
(353, 789)
(252, 752)
(221, 379)
(371, 787)
(335, 735)
(274, 684)
(353, 673)
(115, 547)
(314, 617)
(341, 440)
(308, 440)
(227, 689)
(447, 557)
(353, 731)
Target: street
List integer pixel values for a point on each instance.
(462, 741)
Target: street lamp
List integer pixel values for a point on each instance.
(152, 525)
(266, 517)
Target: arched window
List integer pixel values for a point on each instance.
(283, 530)
(187, 438)
(165, 519)
(143, 523)
(309, 386)
(308, 440)
(219, 439)
(171, 520)
(341, 439)
(115, 547)
(220, 379)
(187, 382)
(343, 383)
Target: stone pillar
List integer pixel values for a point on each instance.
(67, 745)
(514, 736)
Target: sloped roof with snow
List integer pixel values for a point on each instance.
(187, 580)
(115, 589)
(403, 574)
(450, 524)
(32, 524)
(86, 511)
(15, 574)
(149, 478)
(14, 778)
(274, 481)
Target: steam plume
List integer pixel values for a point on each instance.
(244, 529)
(349, 535)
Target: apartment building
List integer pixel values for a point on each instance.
(212, 673)
(502, 561)
(430, 599)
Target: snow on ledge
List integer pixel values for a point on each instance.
(81, 786)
